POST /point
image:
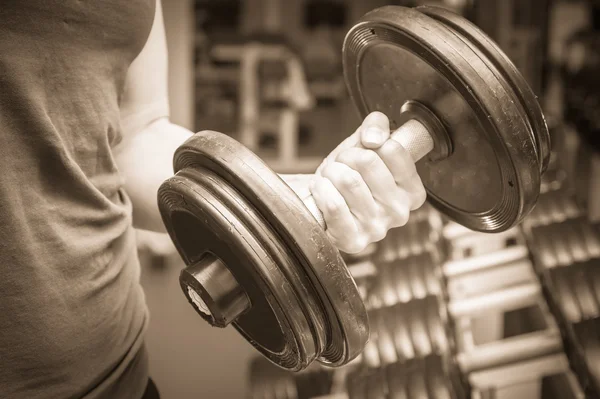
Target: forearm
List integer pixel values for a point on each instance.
(145, 162)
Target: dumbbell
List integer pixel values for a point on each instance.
(418, 276)
(403, 280)
(562, 244)
(258, 257)
(268, 381)
(424, 326)
(567, 259)
(573, 294)
(440, 369)
(552, 207)
(439, 376)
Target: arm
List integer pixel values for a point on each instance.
(145, 156)
(362, 192)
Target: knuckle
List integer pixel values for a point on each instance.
(401, 216)
(392, 148)
(378, 232)
(420, 196)
(367, 159)
(333, 208)
(351, 180)
(355, 246)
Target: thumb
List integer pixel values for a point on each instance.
(375, 130)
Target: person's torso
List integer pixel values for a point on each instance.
(72, 311)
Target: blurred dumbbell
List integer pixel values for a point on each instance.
(268, 381)
(403, 280)
(567, 258)
(562, 244)
(573, 294)
(439, 376)
(554, 206)
(425, 326)
(445, 372)
(418, 276)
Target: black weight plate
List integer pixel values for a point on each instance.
(587, 337)
(377, 386)
(232, 231)
(525, 97)
(562, 291)
(356, 385)
(385, 341)
(397, 381)
(437, 325)
(417, 380)
(492, 178)
(582, 277)
(445, 379)
(399, 326)
(315, 258)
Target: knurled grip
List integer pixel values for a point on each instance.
(412, 135)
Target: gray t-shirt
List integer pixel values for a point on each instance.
(72, 311)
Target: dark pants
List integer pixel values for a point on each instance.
(151, 391)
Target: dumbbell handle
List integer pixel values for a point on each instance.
(412, 135)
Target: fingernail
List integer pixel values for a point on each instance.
(373, 136)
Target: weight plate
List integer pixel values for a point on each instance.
(440, 385)
(582, 283)
(416, 274)
(437, 325)
(594, 273)
(317, 274)
(525, 97)
(560, 244)
(416, 380)
(356, 384)
(587, 337)
(575, 241)
(237, 235)
(399, 326)
(315, 383)
(492, 178)
(377, 386)
(401, 281)
(385, 342)
(564, 296)
(417, 318)
(385, 285)
(591, 238)
(270, 382)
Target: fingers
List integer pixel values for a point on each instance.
(375, 130)
(342, 229)
(359, 199)
(404, 171)
(377, 176)
(372, 133)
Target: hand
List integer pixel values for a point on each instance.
(366, 186)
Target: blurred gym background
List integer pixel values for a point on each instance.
(268, 72)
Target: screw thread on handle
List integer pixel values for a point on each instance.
(412, 135)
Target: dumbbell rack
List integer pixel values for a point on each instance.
(484, 280)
